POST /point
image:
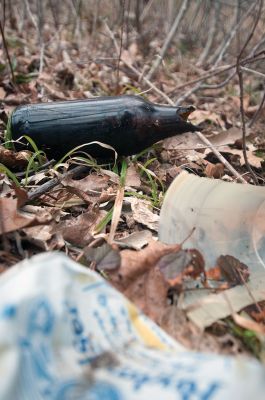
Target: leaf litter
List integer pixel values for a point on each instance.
(154, 276)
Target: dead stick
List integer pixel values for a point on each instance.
(7, 54)
(241, 89)
(34, 194)
(221, 158)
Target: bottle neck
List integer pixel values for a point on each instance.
(166, 122)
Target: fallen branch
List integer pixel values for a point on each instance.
(34, 194)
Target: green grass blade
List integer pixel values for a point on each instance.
(10, 174)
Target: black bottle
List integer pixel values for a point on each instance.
(127, 123)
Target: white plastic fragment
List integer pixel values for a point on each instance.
(65, 333)
(229, 219)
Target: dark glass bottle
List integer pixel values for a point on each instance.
(127, 123)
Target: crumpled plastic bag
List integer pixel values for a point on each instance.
(65, 333)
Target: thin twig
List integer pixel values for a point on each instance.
(120, 47)
(241, 89)
(150, 84)
(168, 40)
(214, 71)
(252, 71)
(221, 84)
(7, 53)
(211, 34)
(220, 157)
(34, 194)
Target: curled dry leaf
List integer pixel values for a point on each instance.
(10, 218)
(92, 184)
(214, 170)
(43, 237)
(172, 265)
(135, 264)
(140, 279)
(142, 213)
(233, 270)
(13, 159)
(137, 240)
(79, 231)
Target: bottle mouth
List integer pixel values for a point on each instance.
(184, 112)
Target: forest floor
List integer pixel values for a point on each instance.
(107, 216)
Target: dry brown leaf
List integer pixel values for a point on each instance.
(135, 264)
(141, 280)
(13, 159)
(105, 257)
(92, 184)
(142, 213)
(132, 177)
(214, 170)
(79, 231)
(137, 240)
(2, 93)
(227, 137)
(233, 270)
(253, 160)
(11, 218)
(236, 101)
(199, 116)
(44, 238)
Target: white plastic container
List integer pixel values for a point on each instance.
(229, 218)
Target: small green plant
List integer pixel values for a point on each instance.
(32, 164)
(104, 222)
(153, 179)
(248, 337)
(89, 159)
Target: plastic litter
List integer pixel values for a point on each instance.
(65, 333)
(229, 218)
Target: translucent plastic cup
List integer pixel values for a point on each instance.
(229, 219)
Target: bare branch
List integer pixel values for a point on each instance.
(241, 89)
(7, 52)
(168, 40)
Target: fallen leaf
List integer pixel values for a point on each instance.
(43, 237)
(199, 116)
(142, 213)
(105, 257)
(10, 218)
(137, 240)
(227, 137)
(132, 177)
(253, 160)
(2, 93)
(13, 159)
(172, 265)
(214, 170)
(92, 184)
(79, 231)
(233, 270)
(136, 263)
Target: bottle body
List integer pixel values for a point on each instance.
(129, 124)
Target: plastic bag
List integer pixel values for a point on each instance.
(65, 333)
